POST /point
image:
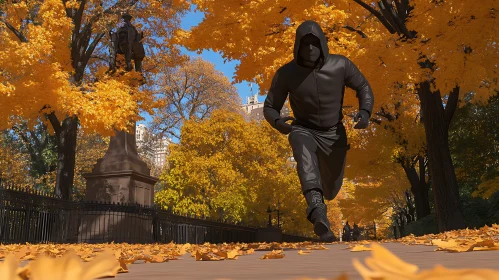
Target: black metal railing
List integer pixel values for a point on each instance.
(35, 217)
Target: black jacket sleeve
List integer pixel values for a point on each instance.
(356, 81)
(275, 99)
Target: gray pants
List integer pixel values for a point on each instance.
(320, 158)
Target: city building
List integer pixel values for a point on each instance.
(151, 149)
(140, 134)
(161, 151)
(254, 109)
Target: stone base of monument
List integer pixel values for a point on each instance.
(269, 234)
(120, 187)
(118, 182)
(114, 226)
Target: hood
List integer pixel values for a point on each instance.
(313, 28)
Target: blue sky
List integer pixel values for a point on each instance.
(191, 19)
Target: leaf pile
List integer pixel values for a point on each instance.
(465, 240)
(91, 261)
(383, 265)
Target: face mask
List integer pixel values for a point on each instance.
(310, 48)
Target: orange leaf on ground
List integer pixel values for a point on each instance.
(360, 248)
(275, 254)
(8, 268)
(70, 266)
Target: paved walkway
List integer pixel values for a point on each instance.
(320, 263)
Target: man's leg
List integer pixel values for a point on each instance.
(332, 166)
(304, 151)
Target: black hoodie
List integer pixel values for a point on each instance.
(316, 95)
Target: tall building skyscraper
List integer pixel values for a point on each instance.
(150, 147)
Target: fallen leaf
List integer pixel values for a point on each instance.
(123, 267)
(301, 252)
(8, 268)
(317, 247)
(208, 256)
(360, 248)
(70, 266)
(276, 254)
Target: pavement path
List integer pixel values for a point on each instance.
(318, 264)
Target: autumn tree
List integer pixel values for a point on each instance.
(191, 90)
(477, 165)
(435, 50)
(53, 62)
(229, 169)
(41, 148)
(89, 148)
(14, 164)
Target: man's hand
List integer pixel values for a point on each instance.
(282, 126)
(364, 119)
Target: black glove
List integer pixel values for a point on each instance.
(282, 126)
(364, 119)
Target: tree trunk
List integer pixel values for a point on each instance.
(66, 154)
(419, 187)
(410, 206)
(436, 122)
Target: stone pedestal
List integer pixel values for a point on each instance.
(269, 234)
(121, 176)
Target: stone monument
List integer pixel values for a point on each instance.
(120, 176)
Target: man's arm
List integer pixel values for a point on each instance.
(356, 81)
(275, 99)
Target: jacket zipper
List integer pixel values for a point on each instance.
(318, 96)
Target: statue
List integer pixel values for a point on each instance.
(128, 42)
(315, 81)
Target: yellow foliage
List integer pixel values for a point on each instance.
(239, 168)
(487, 188)
(14, 165)
(261, 35)
(89, 148)
(43, 69)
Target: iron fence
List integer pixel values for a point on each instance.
(35, 217)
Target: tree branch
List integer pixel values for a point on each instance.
(385, 10)
(78, 17)
(386, 115)
(401, 10)
(355, 30)
(91, 48)
(16, 32)
(119, 5)
(55, 123)
(421, 169)
(377, 14)
(451, 105)
(399, 21)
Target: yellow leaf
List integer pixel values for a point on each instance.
(70, 266)
(8, 268)
(275, 254)
(360, 248)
